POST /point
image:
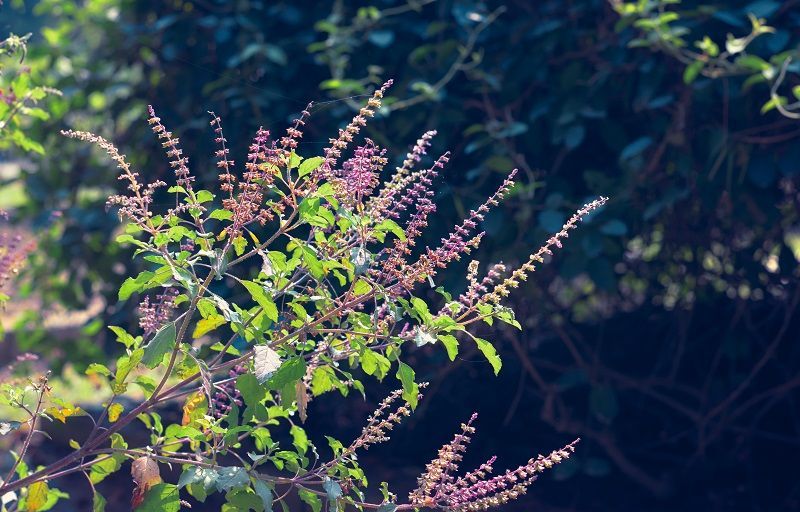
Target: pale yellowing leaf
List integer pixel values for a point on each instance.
(266, 361)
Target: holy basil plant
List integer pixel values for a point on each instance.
(328, 305)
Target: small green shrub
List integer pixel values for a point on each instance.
(331, 305)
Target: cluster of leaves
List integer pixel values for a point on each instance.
(664, 28)
(18, 96)
(330, 304)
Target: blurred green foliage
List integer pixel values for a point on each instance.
(662, 326)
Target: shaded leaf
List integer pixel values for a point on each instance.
(161, 344)
(265, 493)
(231, 477)
(207, 477)
(161, 498)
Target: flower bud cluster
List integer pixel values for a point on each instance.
(501, 290)
(395, 266)
(439, 472)
(226, 177)
(475, 490)
(391, 200)
(174, 152)
(477, 288)
(346, 135)
(359, 174)
(381, 421)
(294, 133)
(153, 315)
(13, 251)
(134, 207)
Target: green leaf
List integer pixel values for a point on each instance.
(375, 364)
(322, 380)
(98, 502)
(490, 353)
(773, 103)
(231, 477)
(387, 507)
(207, 477)
(392, 227)
(507, 315)
(123, 336)
(161, 498)
(421, 307)
(98, 369)
(124, 366)
(159, 346)
(752, 63)
(450, 344)
(405, 374)
(239, 245)
(265, 493)
(361, 288)
(311, 499)
(204, 196)
(146, 383)
(186, 278)
(291, 370)
(691, 71)
(141, 282)
(252, 392)
(299, 439)
(309, 165)
(221, 214)
(260, 296)
(108, 465)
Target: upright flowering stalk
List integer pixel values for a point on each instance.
(226, 177)
(359, 174)
(502, 289)
(135, 206)
(383, 204)
(395, 266)
(347, 134)
(177, 160)
(156, 313)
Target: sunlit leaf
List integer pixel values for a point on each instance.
(265, 362)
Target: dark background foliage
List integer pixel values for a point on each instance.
(661, 334)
